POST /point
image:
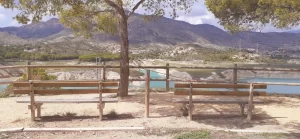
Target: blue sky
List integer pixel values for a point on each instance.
(198, 15)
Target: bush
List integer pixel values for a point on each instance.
(4, 94)
(40, 74)
(194, 135)
(112, 114)
(104, 57)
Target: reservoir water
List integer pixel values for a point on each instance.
(3, 86)
(270, 88)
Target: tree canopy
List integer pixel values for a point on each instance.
(237, 15)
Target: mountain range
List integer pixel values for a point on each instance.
(162, 31)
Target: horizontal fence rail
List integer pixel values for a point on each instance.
(167, 67)
(156, 67)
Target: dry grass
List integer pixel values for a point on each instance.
(4, 95)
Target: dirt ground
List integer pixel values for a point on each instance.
(278, 114)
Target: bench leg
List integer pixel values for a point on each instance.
(250, 103)
(242, 106)
(101, 107)
(190, 110)
(32, 111)
(38, 106)
(250, 111)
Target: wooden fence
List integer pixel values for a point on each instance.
(235, 68)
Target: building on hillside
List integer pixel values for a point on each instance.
(30, 50)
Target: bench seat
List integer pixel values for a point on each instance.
(95, 100)
(216, 101)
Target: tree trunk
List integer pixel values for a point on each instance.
(124, 55)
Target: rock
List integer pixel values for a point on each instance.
(84, 75)
(174, 74)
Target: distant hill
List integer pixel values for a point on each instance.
(6, 38)
(162, 31)
(294, 31)
(37, 30)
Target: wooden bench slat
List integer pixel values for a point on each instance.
(241, 86)
(65, 84)
(96, 100)
(221, 93)
(65, 91)
(216, 101)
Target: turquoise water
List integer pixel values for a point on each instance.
(270, 89)
(3, 86)
(157, 84)
(282, 89)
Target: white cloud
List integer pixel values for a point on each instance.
(191, 20)
(15, 23)
(2, 17)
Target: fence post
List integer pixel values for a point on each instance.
(103, 71)
(147, 85)
(32, 103)
(167, 77)
(28, 71)
(234, 76)
(97, 69)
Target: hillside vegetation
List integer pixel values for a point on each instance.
(188, 52)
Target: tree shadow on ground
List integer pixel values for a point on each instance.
(219, 115)
(295, 126)
(288, 101)
(55, 118)
(228, 116)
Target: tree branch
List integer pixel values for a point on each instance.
(114, 5)
(135, 7)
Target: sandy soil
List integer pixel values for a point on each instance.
(278, 114)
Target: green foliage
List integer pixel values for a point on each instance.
(17, 52)
(12, 54)
(107, 56)
(237, 15)
(4, 94)
(40, 74)
(112, 114)
(77, 18)
(194, 135)
(45, 57)
(269, 60)
(69, 114)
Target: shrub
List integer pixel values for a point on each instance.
(4, 95)
(194, 135)
(112, 114)
(107, 56)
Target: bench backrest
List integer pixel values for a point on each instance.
(210, 89)
(65, 87)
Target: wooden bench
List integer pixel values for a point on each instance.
(33, 88)
(194, 89)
